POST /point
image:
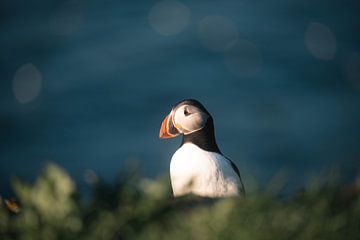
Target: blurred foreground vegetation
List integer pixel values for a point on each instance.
(135, 208)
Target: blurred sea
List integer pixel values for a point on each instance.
(86, 84)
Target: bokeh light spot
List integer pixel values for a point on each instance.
(353, 69)
(244, 59)
(26, 83)
(320, 41)
(217, 33)
(67, 19)
(169, 17)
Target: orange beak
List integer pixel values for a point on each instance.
(164, 129)
(167, 129)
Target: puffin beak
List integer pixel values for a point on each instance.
(167, 129)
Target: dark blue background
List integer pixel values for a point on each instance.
(109, 78)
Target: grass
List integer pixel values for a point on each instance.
(135, 208)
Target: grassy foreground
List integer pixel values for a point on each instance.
(142, 209)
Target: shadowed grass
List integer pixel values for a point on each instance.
(136, 208)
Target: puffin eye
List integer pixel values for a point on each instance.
(186, 112)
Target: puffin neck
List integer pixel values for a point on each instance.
(204, 138)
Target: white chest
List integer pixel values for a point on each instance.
(193, 170)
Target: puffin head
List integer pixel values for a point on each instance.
(186, 117)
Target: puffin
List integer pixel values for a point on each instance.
(198, 167)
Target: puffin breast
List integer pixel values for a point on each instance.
(209, 174)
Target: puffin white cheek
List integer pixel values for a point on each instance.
(179, 121)
(194, 122)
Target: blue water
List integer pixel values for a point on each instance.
(109, 78)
